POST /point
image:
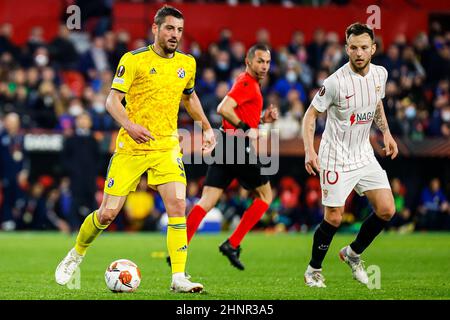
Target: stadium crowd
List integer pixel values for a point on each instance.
(61, 86)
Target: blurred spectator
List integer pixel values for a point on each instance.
(290, 215)
(101, 120)
(290, 80)
(62, 50)
(138, 208)
(289, 123)
(313, 202)
(95, 60)
(316, 49)
(222, 66)
(192, 194)
(297, 42)
(402, 220)
(81, 159)
(207, 83)
(46, 106)
(434, 208)
(211, 101)
(14, 170)
(6, 45)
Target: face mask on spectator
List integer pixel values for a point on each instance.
(291, 76)
(222, 65)
(196, 52)
(75, 110)
(41, 60)
(410, 112)
(320, 82)
(446, 116)
(99, 107)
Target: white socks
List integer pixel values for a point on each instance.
(352, 253)
(311, 269)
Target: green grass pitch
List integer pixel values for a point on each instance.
(414, 266)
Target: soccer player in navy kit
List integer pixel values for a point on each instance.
(241, 109)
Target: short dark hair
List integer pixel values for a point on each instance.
(253, 49)
(166, 11)
(358, 29)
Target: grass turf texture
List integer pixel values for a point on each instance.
(414, 266)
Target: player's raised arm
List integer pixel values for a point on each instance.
(115, 108)
(193, 106)
(308, 129)
(390, 146)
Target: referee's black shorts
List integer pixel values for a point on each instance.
(222, 171)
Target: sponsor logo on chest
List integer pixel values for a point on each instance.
(361, 118)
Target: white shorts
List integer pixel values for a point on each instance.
(337, 186)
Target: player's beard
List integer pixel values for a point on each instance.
(356, 67)
(165, 46)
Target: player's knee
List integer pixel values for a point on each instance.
(333, 217)
(386, 212)
(176, 208)
(106, 216)
(334, 220)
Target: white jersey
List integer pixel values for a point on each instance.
(350, 100)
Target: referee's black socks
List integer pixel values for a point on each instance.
(322, 239)
(370, 228)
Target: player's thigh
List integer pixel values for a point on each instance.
(374, 184)
(373, 178)
(165, 167)
(337, 186)
(124, 172)
(219, 176)
(210, 196)
(250, 176)
(173, 195)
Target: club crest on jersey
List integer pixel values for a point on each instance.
(110, 182)
(181, 73)
(361, 118)
(322, 91)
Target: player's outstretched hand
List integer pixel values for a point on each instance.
(312, 163)
(390, 146)
(138, 133)
(271, 114)
(209, 141)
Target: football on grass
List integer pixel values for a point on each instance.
(122, 276)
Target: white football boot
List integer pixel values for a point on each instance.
(356, 264)
(184, 285)
(67, 267)
(314, 278)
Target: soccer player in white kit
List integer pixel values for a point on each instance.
(346, 161)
